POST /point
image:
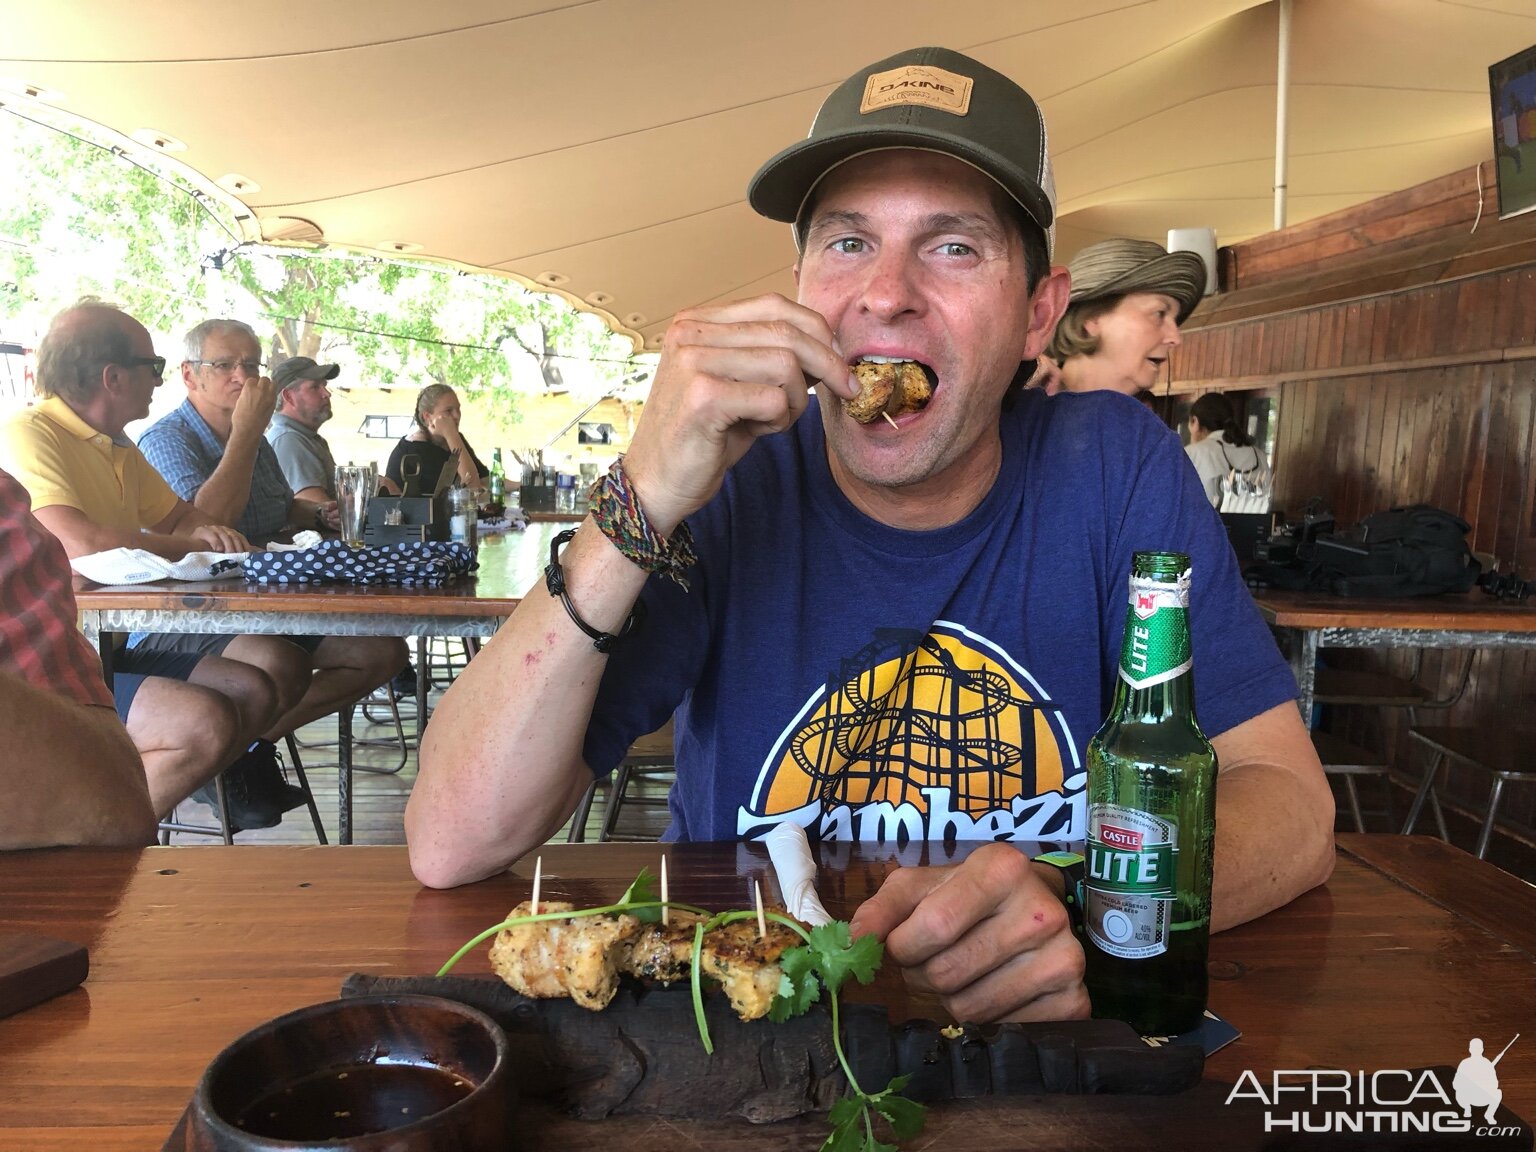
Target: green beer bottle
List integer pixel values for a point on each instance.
(498, 484)
(1151, 819)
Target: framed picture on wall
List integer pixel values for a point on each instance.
(1512, 93)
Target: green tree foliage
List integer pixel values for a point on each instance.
(79, 219)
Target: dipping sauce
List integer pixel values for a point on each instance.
(353, 1101)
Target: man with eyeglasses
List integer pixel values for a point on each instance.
(189, 715)
(213, 452)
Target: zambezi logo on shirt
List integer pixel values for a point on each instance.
(936, 736)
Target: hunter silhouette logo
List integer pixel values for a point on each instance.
(1403, 1100)
(1477, 1081)
(936, 736)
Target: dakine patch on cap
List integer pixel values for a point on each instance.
(915, 84)
(933, 99)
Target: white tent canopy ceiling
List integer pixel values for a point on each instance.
(604, 146)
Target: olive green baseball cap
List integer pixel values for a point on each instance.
(933, 99)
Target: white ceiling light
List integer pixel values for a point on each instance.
(238, 184)
(599, 298)
(160, 141)
(634, 319)
(553, 279)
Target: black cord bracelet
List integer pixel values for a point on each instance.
(554, 580)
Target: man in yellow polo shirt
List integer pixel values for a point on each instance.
(189, 715)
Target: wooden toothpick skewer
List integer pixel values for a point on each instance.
(665, 920)
(762, 921)
(889, 421)
(538, 876)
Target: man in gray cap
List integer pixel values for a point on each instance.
(303, 404)
(889, 631)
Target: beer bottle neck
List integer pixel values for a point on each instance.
(1155, 703)
(1156, 681)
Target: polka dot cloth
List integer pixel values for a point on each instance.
(424, 564)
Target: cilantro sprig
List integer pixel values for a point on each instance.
(826, 959)
(829, 957)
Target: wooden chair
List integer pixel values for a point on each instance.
(1506, 754)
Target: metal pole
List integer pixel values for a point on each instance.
(1282, 102)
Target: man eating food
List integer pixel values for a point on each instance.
(885, 630)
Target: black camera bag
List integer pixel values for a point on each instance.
(1413, 551)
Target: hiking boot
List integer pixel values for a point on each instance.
(245, 811)
(263, 769)
(208, 794)
(404, 683)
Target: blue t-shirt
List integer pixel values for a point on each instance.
(184, 449)
(879, 684)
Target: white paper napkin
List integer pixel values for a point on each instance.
(792, 864)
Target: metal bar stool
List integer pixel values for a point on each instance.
(1504, 753)
(1352, 688)
(650, 758)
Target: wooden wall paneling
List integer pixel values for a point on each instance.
(1515, 500)
(1321, 341)
(1501, 442)
(1349, 439)
(1416, 430)
(1525, 555)
(1414, 312)
(1474, 387)
(1372, 487)
(1388, 310)
(1402, 441)
(1475, 314)
(1523, 332)
(1386, 465)
(1296, 341)
(1405, 317)
(1186, 361)
(1506, 310)
(1349, 336)
(1447, 317)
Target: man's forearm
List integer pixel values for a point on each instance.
(1271, 846)
(82, 536)
(224, 495)
(501, 764)
(81, 782)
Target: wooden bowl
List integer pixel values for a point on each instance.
(370, 1074)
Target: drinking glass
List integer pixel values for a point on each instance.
(354, 487)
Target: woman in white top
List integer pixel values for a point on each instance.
(1218, 446)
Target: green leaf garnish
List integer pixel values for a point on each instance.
(642, 891)
(838, 956)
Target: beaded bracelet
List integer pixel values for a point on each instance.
(617, 513)
(554, 580)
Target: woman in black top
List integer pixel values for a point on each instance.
(436, 436)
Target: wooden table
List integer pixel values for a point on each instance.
(473, 607)
(1411, 950)
(1317, 620)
